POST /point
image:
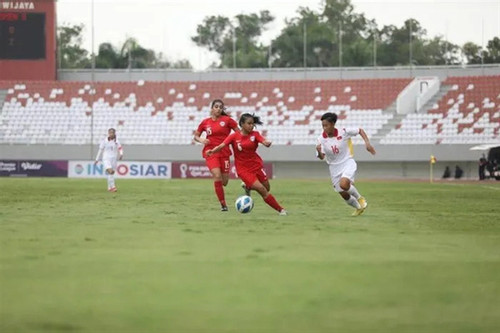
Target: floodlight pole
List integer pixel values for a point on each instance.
(482, 46)
(92, 85)
(340, 48)
(411, 50)
(305, 46)
(234, 48)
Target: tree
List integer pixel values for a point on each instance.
(107, 57)
(163, 62)
(492, 53)
(288, 47)
(472, 53)
(216, 33)
(440, 52)
(69, 40)
(132, 55)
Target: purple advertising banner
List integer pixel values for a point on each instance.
(200, 170)
(32, 168)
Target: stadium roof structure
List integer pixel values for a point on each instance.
(485, 146)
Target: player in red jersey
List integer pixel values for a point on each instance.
(217, 127)
(249, 165)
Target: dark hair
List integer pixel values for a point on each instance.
(223, 111)
(245, 116)
(330, 116)
(112, 129)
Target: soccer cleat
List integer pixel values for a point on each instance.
(283, 213)
(362, 202)
(113, 189)
(358, 212)
(244, 187)
(223, 209)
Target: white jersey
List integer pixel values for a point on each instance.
(109, 149)
(338, 148)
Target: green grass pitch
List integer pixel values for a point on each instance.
(160, 256)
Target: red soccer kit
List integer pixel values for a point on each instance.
(248, 163)
(217, 130)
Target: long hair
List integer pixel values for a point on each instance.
(245, 116)
(223, 110)
(330, 117)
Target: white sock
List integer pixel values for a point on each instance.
(354, 192)
(111, 181)
(352, 201)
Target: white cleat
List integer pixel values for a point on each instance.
(283, 213)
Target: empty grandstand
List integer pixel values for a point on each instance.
(167, 112)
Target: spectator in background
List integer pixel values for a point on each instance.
(458, 172)
(482, 166)
(447, 172)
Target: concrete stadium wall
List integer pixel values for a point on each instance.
(275, 73)
(391, 161)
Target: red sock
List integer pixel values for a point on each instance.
(219, 190)
(271, 201)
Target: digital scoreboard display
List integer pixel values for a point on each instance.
(22, 35)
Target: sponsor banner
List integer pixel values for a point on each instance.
(200, 170)
(124, 169)
(31, 168)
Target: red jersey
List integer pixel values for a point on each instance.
(217, 130)
(244, 148)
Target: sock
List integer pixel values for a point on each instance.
(111, 181)
(354, 192)
(219, 191)
(271, 201)
(353, 202)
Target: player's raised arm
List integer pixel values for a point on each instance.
(215, 149)
(319, 152)
(263, 140)
(368, 145)
(199, 139)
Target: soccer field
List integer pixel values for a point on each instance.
(160, 256)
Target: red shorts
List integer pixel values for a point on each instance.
(249, 177)
(221, 162)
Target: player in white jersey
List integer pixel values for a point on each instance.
(110, 147)
(335, 145)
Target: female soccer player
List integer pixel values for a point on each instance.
(248, 163)
(336, 146)
(218, 126)
(109, 148)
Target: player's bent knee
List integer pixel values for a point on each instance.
(345, 185)
(345, 195)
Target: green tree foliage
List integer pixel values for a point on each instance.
(472, 53)
(492, 53)
(69, 41)
(219, 34)
(128, 55)
(364, 43)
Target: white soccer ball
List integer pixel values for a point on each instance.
(244, 204)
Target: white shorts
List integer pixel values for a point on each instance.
(109, 163)
(346, 169)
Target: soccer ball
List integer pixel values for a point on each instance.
(244, 204)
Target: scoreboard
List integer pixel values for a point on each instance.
(22, 36)
(28, 46)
